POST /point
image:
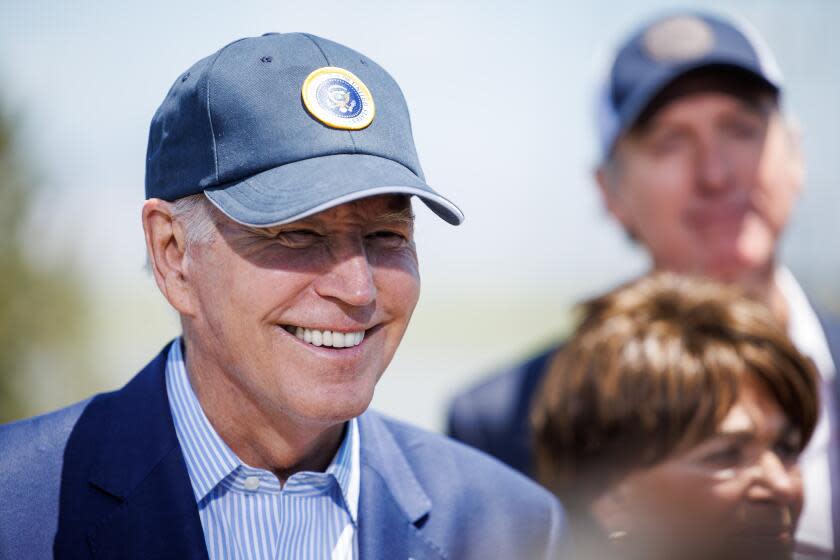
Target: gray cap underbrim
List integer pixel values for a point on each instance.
(297, 190)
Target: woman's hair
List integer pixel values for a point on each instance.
(653, 369)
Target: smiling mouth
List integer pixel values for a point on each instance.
(718, 215)
(330, 339)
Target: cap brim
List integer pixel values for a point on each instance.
(297, 190)
(641, 98)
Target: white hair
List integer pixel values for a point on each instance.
(196, 214)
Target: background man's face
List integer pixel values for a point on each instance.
(707, 186)
(351, 269)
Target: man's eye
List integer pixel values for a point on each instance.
(298, 238)
(387, 238)
(666, 143)
(744, 130)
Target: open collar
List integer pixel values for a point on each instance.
(804, 326)
(210, 460)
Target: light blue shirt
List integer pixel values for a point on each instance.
(245, 512)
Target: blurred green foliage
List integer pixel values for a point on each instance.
(42, 304)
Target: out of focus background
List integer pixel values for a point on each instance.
(502, 98)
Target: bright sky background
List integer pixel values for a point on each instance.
(501, 96)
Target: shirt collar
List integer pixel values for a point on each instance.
(208, 458)
(804, 327)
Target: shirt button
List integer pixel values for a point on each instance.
(252, 483)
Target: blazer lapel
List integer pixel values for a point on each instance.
(393, 505)
(141, 468)
(158, 519)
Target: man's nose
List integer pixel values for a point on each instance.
(714, 169)
(349, 278)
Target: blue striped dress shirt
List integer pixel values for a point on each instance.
(245, 512)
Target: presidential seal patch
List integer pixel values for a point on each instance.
(678, 39)
(337, 98)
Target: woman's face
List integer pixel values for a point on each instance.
(740, 491)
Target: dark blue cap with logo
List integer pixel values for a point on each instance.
(275, 128)
(667, 48)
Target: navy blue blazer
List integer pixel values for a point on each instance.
(106, 478)
(493, 416)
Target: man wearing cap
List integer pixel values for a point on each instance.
(701, 167)
(278, 225)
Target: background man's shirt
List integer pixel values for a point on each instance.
(804, 329)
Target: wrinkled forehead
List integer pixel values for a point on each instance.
(751, 90)
(373, 208)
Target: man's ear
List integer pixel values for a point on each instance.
(166, 246)
(607, 181)
(794, 138)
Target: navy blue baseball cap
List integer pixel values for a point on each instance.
(667, 48)
(276, 128)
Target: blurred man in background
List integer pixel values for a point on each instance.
(701, 167)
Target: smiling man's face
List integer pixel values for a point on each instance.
(302, 319)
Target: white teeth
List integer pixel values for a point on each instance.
(333, 339)
(338, 339)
